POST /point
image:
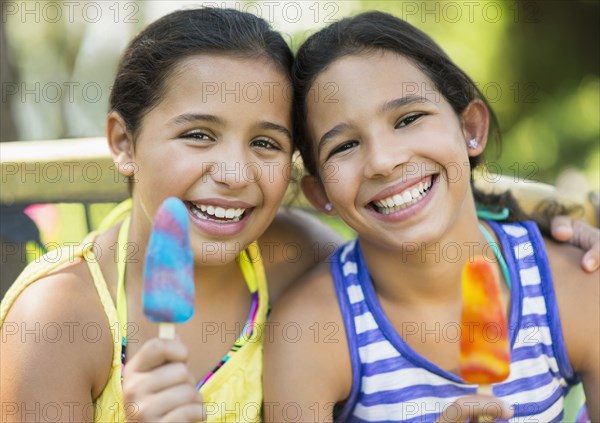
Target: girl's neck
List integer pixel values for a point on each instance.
(429, 271)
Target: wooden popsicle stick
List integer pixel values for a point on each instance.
(166, 330)
(485, 390)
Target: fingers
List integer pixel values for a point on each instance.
(579, 234)
(157, 352)
(181, 403)
(561, 228)
(591, 259)
(475, 408)
(587, 238)
(158, 379)
(189, 413)
(158, 385)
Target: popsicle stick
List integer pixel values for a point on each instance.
(166, 330)
(485, 390)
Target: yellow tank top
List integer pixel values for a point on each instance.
(232, 394)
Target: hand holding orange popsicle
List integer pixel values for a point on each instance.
(484, 346)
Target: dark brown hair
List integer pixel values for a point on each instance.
(152, 56)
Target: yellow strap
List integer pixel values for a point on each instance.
(119, 212)
(246, 261)
(121, 253)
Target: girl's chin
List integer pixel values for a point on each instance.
(216, 253)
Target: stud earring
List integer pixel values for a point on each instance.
(328, 207)
(472, 144)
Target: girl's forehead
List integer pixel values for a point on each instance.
(375, 64)
(225, 78)
(226, 90)
(372, 77)
(236, 68)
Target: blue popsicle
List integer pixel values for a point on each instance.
(169, 268)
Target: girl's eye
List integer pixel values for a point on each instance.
(407, 120)
(342, 147)
(265, 143)
(197, 135)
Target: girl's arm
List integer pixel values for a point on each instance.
(295, 243)
(307, 364)
(580, 318)
(56, 351)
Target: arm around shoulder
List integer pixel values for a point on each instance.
(307, 364)
(56, 351)
(578, 297)
(295, 243)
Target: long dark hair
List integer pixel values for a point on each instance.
(378, 31)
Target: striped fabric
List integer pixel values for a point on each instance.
(391, 382)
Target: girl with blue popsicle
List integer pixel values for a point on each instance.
(200, 110)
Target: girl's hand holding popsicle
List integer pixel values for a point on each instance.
(484, 346)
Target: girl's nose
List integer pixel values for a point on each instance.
(232, 169)
(383, 157)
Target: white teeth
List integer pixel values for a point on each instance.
(219, 212)
(398, 199)
(404, 199)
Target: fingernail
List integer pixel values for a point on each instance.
(591, 264)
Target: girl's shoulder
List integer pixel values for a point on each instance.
(294, 243)
(309, 339)
(55, 323)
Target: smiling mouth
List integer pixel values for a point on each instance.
(404, 199)
(216, 214)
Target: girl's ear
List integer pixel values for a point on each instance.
(475, 126)
(315, 193)
(120, 143)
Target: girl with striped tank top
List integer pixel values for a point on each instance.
(392, 155)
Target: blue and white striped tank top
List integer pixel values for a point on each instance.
(391, 382)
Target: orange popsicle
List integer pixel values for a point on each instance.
(484, 347)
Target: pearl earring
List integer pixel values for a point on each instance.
(472, 144)
(328, 207)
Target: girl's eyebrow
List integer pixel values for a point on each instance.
(193, 117)
(388, 106)
(276, 127)
(329, 135)
(404, 101)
